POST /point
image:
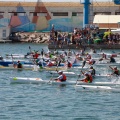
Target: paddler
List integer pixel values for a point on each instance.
(88, 78)
(115, 71)
(88, 56)
(92, 71)
(61, 78)
(49, 64)
(112, 59)
(69, 64)
(91, 61)
(19, 64)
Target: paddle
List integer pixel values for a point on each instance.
(30, 49)
(83, 64)
(50, 78)
(53, 74)
(78, 79)
(13, 61)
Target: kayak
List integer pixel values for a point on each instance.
(96, 88)
(6, 62)
(73, 74)
(55, 73)
(39, 80)
(15, 56)
(33, 68)
(109, 64)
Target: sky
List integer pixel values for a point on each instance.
(58, 0)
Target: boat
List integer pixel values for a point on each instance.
(107, 64)
(96, 88)
(33, 67)
(15, 56)
(73, 74)
(55, 73)
(39, 80)
(7, 62)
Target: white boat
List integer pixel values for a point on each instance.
(55, 73)
(73, 74)
(15, 56)
(96, 88)
(107, 64)
(39, 80)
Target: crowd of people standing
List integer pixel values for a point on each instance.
(84, 36)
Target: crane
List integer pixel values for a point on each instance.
(86, 7)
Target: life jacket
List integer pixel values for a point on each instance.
(89, 79)
(116, 72)
(104, 56)
(88, 56)
(50, 64)
(35, 56)
(64, 77)
(114, 55)
(91, 62)
(69, 64)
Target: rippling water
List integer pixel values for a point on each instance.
(51, 102)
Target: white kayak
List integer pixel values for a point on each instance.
(39, 80)
(15, 56)
(55, 73)
(96, 88)
(109, 64)
(73, 74)
(37, 68)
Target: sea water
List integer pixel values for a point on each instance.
(51, 102)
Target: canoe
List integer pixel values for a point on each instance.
(39, 80)
(96, 88)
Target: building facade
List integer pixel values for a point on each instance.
(39, 16)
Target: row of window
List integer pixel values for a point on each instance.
(56, 13)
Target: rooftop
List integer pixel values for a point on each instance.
(55, 4)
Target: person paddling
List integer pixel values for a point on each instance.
(69, 64)
(92, 71)
(112, 59)
(61, 78)
(88, 78)
(115, 71)
(19, 64)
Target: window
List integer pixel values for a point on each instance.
(60, 13)
(1, 13)
(117, 13)
(77, 14)
(74, 14)
(102, 13)
(17, 13)
(38, 14)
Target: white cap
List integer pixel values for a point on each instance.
(60, 72)
(86, 73)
